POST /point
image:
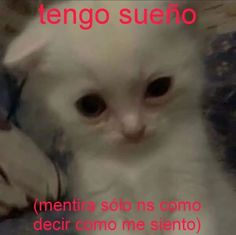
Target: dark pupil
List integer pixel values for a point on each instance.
(91, 105)
(158, 87)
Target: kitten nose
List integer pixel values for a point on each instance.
(132, 128)
(135, 135)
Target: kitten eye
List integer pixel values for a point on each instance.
(91, 105)
(158, 87)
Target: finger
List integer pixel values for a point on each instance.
(12, 197)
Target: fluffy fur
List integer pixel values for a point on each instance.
(174, 160)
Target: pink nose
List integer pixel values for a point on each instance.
(135, 135)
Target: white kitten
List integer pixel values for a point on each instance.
(128, 99)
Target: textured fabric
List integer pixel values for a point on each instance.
(221, 75)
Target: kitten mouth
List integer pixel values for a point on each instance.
(136, 136)
(134, 140)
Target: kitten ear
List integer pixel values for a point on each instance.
(24, 52)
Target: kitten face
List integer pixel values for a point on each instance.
(115, 88)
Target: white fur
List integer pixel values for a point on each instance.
(173, 162)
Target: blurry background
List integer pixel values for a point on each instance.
(218, 16)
